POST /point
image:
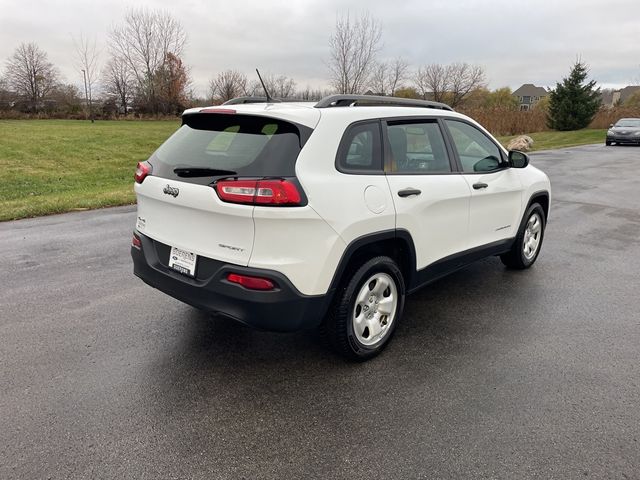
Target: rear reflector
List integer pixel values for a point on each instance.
(142, 170)
(259, 192)
(135, 242)
(252, 283)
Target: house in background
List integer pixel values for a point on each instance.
(613, 98)
(528, 95)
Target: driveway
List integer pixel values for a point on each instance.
(492, 374)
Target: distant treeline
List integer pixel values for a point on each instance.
(141, 74)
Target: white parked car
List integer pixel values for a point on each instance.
(286, 216)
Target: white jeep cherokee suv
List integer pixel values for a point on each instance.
(286, 216)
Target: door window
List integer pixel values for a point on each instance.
(417, 147)
(476, 151)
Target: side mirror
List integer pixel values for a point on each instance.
(611, 126)
(487, 164)
(518, 159)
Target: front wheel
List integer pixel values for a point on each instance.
(528, 242)
(608, 143)
(366, 310)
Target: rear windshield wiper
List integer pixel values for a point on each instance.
(201, 172)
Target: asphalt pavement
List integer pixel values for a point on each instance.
(492, 373)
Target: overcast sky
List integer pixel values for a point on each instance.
(515, 41)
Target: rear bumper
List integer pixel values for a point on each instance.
(283, 309)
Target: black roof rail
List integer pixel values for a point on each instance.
(250, 99)
(341, 100)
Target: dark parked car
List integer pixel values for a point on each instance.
(625, 130)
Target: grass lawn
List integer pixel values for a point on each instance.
(548, 140)
(53, 166)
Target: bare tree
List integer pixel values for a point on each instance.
(379, 76)
(398, 74)
(67, 97)
(387, 76)
(448, 83)
(254, 88)
(464, 78)
(117, 80)
(280, 86)
(432, 82)
(311, 94)
(144, 40)
(227, 85)
(4, 89)
(306, 94)
(87, 63)
(30, 74)
(354, 46)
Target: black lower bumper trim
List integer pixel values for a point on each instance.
(625, 140)
(283, 309)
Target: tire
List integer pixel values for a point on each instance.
(531, 234)
(607, 143)
(349, 329)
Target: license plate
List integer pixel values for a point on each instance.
(183, 261)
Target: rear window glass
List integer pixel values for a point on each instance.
(243, 145)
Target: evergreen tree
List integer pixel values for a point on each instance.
(573, 103)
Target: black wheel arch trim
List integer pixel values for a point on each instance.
(370, 240)
(537, 195)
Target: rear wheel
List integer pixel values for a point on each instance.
(528, 242)
(366, 310)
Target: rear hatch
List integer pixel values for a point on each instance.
(180, 202)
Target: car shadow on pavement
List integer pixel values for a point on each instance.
(447, 315)
(246, 386)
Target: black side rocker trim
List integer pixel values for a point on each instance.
(457, 261)
(416, 279)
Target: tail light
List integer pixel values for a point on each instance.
(252, 283)
(142, 170)
(278, 192)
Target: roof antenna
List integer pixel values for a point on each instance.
(269, 99)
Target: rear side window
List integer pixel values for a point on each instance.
(360, 150)
(242, 145)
